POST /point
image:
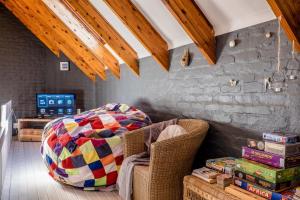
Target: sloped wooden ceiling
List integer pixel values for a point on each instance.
(194, 22)
(103, 30)
(288, 11)
(82, 33)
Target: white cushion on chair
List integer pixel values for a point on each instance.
(171, 132)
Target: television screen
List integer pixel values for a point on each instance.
(55, 104)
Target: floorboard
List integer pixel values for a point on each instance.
(27, 179)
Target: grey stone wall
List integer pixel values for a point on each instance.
(203, 91)
(22, 65)
(27, 67)
(73, 81)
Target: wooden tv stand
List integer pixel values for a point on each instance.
(30, 129)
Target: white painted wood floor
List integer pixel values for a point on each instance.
(27, 179)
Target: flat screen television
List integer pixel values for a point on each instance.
(50, 105)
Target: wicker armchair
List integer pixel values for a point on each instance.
(170, 161)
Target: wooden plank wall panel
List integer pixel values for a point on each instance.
(95, 46)
(195, 24)
(142, 29)
(102, 29)
(289, 12)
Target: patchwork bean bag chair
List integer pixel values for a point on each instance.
(86, 150)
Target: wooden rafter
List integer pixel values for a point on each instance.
(94, 46)
(27, 19)
(50, 44)
(67, 42)
(289, 13)
(102, 29)
(196, 25)
(142, 29)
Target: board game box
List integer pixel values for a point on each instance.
(225, 165)
(276, 187)
(282, 149)
(286, 195)
(256, 144)
(265, 172)
(271, 159)
(281, 138)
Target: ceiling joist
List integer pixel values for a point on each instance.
(289, 13)
(98, 25)
(93, 45)
(26, 17)
(64, 37)
(142, 29)
(50, 44)
(195, 24)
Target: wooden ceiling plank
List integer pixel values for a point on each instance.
(23, 16)
(289, 12)
(51, 45)
(65, 39)
(196, 25)
(142, 29)
(56, 7)
(98, 25)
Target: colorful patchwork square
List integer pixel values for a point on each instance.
(100, 181)
(78, 161)
(87, 148)
(64, 154)
(90, 157)
(98, 142)
(89, 183)
(106, 133)
(113, 141)
(71, 146)
(98, 173)
(111, 178)
(119, 160)
(103, 150)
(95, 165)
(68, 163)
(108, 159)
(96, 123)
(110, 168)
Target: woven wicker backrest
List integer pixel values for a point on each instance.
(172, 159)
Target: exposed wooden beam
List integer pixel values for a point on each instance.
(102, 29)
(289, 13)
(196, 25)
(71, 22)
(64, 37)
(27, 19)
(142, 29)
(51, 45)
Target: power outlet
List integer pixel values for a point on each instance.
(15, 125)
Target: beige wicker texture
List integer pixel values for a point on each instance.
(170, 161)
(196, 189)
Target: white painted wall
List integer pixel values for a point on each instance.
(225, 16)
(5, 139)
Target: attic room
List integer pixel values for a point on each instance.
(150, 99)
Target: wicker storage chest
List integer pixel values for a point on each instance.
(196, 189)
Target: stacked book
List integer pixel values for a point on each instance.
(270, 168)
(219, 170)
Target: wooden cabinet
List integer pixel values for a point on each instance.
(31, 129)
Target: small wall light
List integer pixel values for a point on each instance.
(232, 43)
(268, 34)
